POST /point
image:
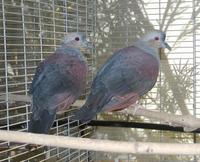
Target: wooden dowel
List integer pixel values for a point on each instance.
(101, 145)
(188, 122)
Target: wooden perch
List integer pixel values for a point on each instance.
(12, 98)
(188, 122)
(101, 145)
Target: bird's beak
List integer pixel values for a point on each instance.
(163, 43)
(166, 45)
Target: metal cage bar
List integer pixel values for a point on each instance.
(31, 30)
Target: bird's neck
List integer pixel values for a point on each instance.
(71, 51)
(148, 49)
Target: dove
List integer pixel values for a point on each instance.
(59, 80)
(127, 75)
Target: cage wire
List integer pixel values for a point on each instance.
(32, 29)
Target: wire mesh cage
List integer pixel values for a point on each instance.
(30, 30)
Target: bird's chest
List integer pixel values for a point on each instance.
(76, 68)
(79, 70)
(144, 65)
(149, 70)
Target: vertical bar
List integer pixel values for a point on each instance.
(116, 160)
(6, 69)
(66, 14)
(54, 42)
(66, 31)
(94, 56)
(68, 130)
(129, 157)
(54, 25)
(94, 24)
(86, 17)
(194, 65)
(194, 56)
(79, 151)
(77, 28)
(77, 16)
(127, 30)
(24, 51)
(57, 132)
(160, 77)
(41, 32)
(5, 62)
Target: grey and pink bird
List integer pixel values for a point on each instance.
(58, 82)
(129, 74)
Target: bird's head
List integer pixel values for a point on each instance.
(77, 40)
(156, 40)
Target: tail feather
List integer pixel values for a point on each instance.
(84, 114)
(93, 105)
(43, 124)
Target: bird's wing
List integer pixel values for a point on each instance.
(128, 74)
(50, 75)
(37, 77)
(125, 73)
(55, 83)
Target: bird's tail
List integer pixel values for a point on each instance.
(93, 105)
(84, 114)
(43, 124)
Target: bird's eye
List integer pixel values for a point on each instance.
(156, 38)
(77, 38)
